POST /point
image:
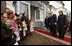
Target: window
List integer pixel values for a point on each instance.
(41, 14)
(37, 14)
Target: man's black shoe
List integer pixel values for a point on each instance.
(59, 37)
(62, 37)
(54, 35)
(25, 38)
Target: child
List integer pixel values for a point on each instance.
(15, 30)
(31, 26)
(3, 17)
(6, 34)
(24, 29)
(20, 27)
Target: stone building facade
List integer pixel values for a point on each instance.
(56, 6)
(3, 5)
(37, 10)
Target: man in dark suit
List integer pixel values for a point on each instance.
(62, 23)
(52, 24)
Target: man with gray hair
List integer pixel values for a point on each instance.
(52, 24)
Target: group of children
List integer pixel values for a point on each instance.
(13, 30)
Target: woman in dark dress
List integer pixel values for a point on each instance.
(62, 24)
(47, 22)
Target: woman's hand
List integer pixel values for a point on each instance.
(12, 28)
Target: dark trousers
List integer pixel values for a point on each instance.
(53, 30)
(21, 35)
(28, 30)
(62, 31)
(61, 35)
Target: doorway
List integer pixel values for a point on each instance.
(32, 11)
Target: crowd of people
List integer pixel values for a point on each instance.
(56, 25)
(15, 27)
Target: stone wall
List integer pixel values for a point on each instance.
(3, 6)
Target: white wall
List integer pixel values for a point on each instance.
(55, 4)
(9, 4)
(63, 9)
(69, 16)
(67, 5)
(43, 12)
(57, 7)
(53, 10)
(18, 7)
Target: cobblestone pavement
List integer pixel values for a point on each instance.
(37, 39)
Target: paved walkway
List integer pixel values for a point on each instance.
(37, 39)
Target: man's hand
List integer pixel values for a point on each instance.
(55, 23)
(12, 37)
(49, 23)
